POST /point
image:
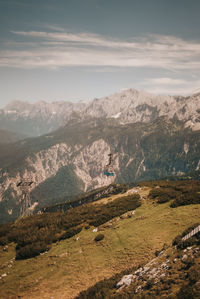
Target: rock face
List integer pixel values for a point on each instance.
(129, 106)
(132, 106)
(87, 164)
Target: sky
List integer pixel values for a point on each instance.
(72, 50)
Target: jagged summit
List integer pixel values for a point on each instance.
(132, 106)
(128, 106)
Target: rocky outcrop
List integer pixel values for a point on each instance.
(159, 272)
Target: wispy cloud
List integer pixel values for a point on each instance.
(167, 81)
(165, 85)
(61, 49)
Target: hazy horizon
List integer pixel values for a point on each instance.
(77, 51)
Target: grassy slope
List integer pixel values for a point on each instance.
(71, 266)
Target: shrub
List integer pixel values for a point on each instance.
(177, 240)
(4, 229)
(31, 250)
(3, 241)
(163, 194)
(164, 198)
(149, 284)
(70, 233)
(87, 226)
(186, 292)
(194, 274)
(186, 198)
(104, 213)
(157, 252)
(99, 237)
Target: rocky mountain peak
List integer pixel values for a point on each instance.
(127, 106)
(17, 106)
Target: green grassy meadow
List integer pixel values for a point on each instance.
(74, 264)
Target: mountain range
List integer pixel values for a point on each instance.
(128, 106)
(151, 137)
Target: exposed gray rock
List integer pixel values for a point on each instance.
(184, 258)
(126, 280)
(138, 289)
(145, 269)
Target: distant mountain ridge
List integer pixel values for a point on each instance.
(36, 119)
(129, 106)
(132, 106)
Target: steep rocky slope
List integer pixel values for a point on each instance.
(72, 159)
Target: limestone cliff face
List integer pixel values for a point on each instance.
(88, 163)
(40, 166)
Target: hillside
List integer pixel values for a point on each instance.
(74, 263)
(173, 273)
(71, 160)
(10, 137)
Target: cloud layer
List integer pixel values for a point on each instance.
(172, 86)
(165, 64)
(39, 49)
